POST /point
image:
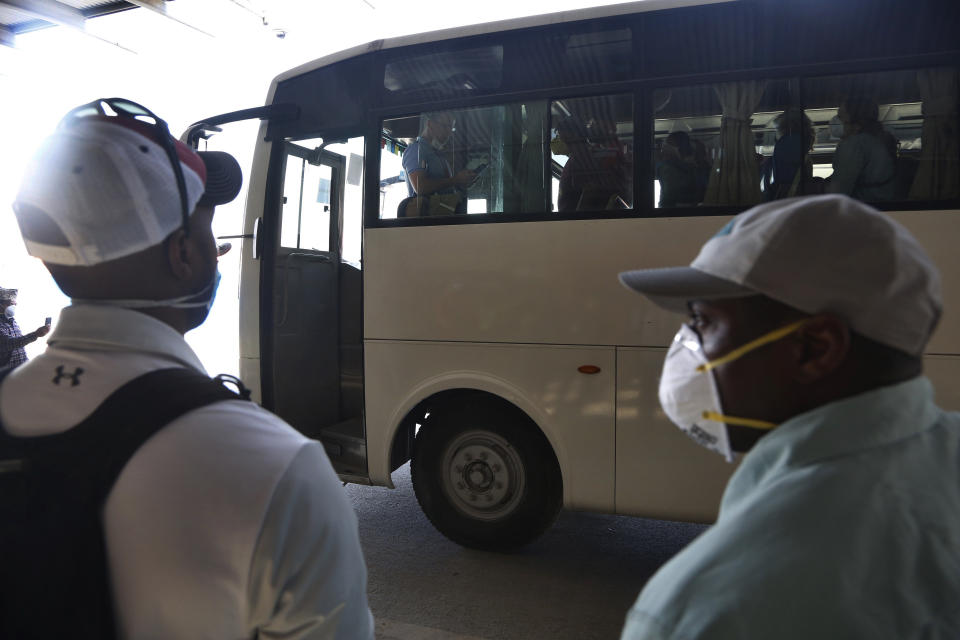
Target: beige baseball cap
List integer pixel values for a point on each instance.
(817, 254)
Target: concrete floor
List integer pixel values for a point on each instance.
(576, 582)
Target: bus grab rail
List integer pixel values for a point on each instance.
(203, 129)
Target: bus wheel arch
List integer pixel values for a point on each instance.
(484, 472)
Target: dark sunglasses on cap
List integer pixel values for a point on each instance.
(123, 108)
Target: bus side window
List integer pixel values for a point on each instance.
(305, 214)
(714, 144)
(887, 136)
(507, 152)
(470, 161)
(591, 153)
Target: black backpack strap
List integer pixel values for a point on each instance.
(134, 413)
(55, 581)
(99, 447)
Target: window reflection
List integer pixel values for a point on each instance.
(592, 153)
(714, 144)
(520, 158)
(888, 136)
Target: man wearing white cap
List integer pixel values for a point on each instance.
(808, 320)
(227, 523)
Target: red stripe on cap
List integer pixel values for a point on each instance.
(186, 155)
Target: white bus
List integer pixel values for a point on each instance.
(485, 337)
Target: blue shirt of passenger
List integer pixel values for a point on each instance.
(844, 522)
(421, 156)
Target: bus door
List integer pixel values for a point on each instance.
(305, 371)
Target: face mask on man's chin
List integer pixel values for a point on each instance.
(202, 299)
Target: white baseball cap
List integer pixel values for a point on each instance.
(102, 187)
(816, 254)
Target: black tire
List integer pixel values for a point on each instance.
(485, 475)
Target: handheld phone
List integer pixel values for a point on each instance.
(48, 321)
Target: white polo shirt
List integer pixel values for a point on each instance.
(225, 524)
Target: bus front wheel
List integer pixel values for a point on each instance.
(485, 476)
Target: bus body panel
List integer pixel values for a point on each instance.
(556, 282)
(944, 371)
(661, 473)
(250, 267)
(574, 410)
(936, 231)
(527, 282)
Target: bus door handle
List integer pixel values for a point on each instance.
(255, 236)
(310, 257)
(257, 239)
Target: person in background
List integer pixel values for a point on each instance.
(678, 173)
(227, 523)
(572, 138)
(808, 322)
(790, 164)
(427, 171)
(864, 163)
(703, 165)
(12, 341)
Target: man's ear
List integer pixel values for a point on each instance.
(179, 254)
(824, 345)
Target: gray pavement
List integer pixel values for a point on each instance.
(577, 581)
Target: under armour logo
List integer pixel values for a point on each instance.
(74, 377)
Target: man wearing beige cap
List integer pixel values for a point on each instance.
(225, 522)
(808, 320)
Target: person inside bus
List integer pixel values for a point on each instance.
(428, 173)
(678, 173)
(595, 175)
(809, 318)
(782, 175)
(227, 523)
(864, 163)
(701, 160)
(572, 140)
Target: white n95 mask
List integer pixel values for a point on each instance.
(688, 390)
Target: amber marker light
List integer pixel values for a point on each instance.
(588, 369)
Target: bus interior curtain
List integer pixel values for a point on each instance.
(938, 175)
(735, 178)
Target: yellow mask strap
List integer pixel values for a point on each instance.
(738, 422)
(773, 336)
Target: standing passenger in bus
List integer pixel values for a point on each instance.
(429, 173)
(678, 173)
(226, 523)
(809, 319)
(572, 134)
(864, 164)
(789, 166)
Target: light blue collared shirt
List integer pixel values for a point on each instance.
(844, 522)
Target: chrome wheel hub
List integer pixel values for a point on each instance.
(483, 475)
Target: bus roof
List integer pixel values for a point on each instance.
(493, 27)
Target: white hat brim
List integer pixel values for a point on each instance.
(673, 287)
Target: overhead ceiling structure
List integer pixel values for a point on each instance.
(22, 16)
